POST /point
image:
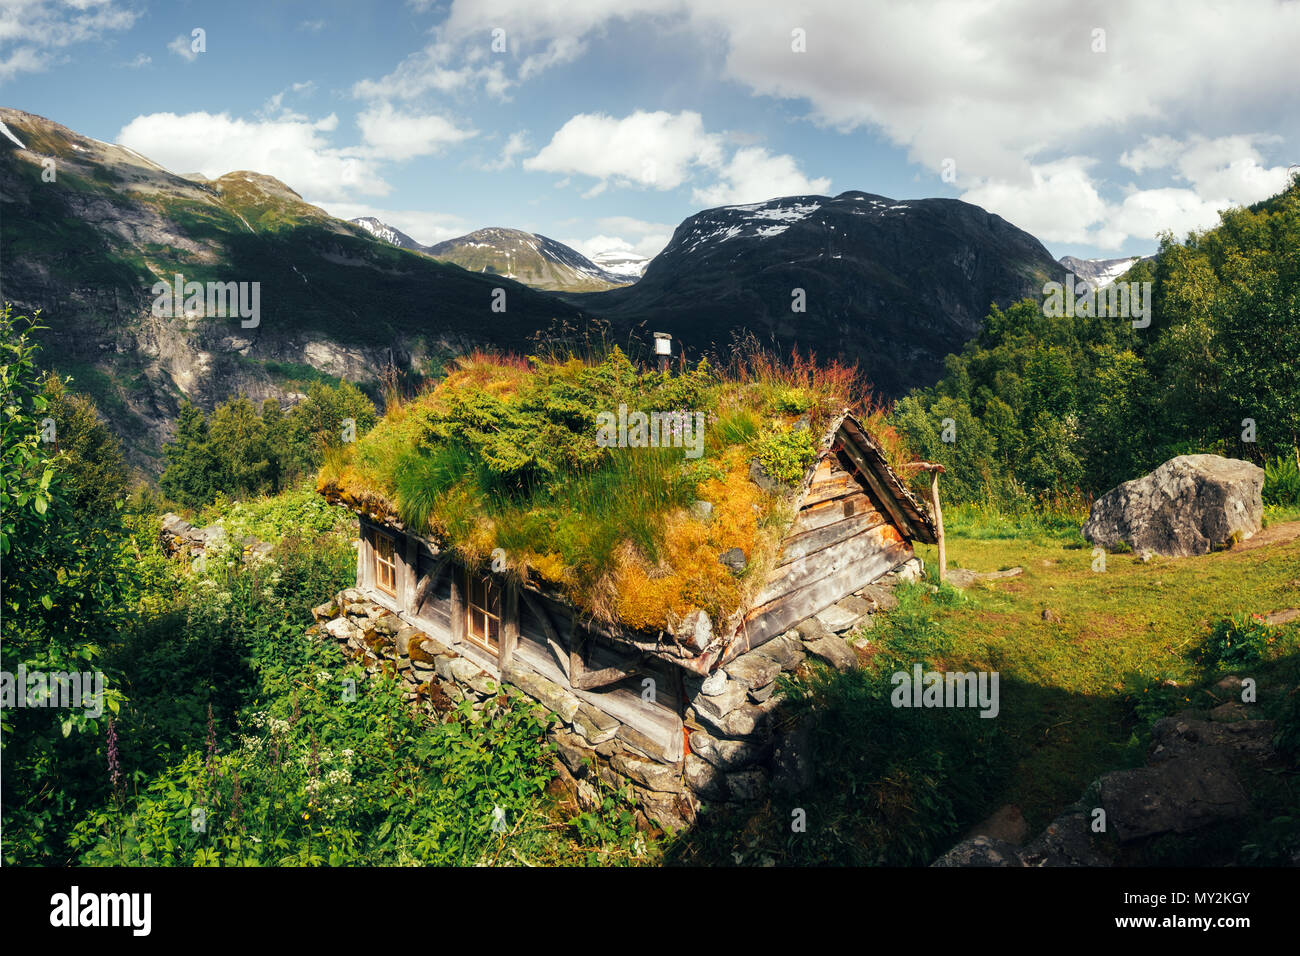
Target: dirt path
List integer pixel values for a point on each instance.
(1273, 534)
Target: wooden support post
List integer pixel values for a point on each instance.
(458, 599)
(509, 623)
(938, 523)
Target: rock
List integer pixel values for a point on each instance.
(705, 779)
(837, 619)
(1145, 555)
(387, 623)
(341, 629)
(703, 510)
(812, 629)
(402, 642)
(325, 612)
(982, 851)
(762, 693)
(1176, 795)
(733, 558)
(1006, 823)
(786, 650)
(964, 577)
(1282, 617)
(1050, 616)
(1229, 685)
(744, 721)
(910, 571)
(856, 605)
(1191, 504)
(1182, 735)
(880, 596)
(573, 751)
(834, 651)
(638, 741)
(695, 630)
(753, 670)
(1067, 841)
(718, 706)
(672, 811)
(609, 747)
(747, 785)
(550, 695)
(651, 774)
(714, 684)
(761, 478)
(482, 683)
(724, 754)
(1229, 712)
(594, 725)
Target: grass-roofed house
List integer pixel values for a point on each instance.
(642, 552)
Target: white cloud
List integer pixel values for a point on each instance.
(397, 135)
(516, 144)
(1007, 91)
(294, 151)
(753, 175)
(36, 29)
(649, 245)
(141, 59)
(183, 46)
(656, 150)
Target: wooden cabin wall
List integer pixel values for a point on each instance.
(841, 540)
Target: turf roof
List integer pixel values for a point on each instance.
(528, 457)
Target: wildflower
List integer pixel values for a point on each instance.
(114, 765)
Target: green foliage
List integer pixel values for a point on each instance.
(900, 795)
(1239, 640)
(243, 451)
(1282, 481)
(1045, 407)
(785, 453)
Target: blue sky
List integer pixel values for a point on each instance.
(1094, 126)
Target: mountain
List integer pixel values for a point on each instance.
(532, 259)
(386, 233)
(629, 265)
(1100, 272)
(88, 248)
(894, 286)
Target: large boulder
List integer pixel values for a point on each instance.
(1191, 504)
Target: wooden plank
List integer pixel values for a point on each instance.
(509, 623)
(779, 615)
(458, 598)
(884, 496)
(836, 487)
(801, 573)
(550, 635)
(828, 512)
(798, 546)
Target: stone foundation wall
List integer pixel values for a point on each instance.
(735, 751)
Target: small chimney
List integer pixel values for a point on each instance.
(663, 349)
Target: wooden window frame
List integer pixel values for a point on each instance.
(492, 609)
(391, 563)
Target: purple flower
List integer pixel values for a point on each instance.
(114, 764)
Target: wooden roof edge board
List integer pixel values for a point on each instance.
(918, 522)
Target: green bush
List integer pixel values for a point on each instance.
(1281, 481)
(1239, 640)
(785, 453)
